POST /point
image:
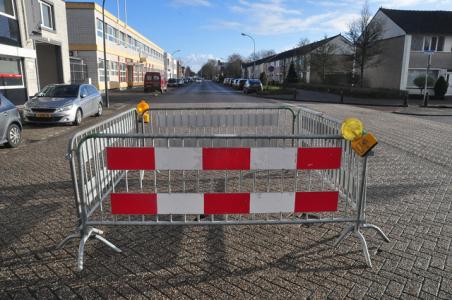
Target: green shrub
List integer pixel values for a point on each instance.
(420, 82)
(441, 87)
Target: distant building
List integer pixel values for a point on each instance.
(277, 66)
(407, 36)
(33, 47)
(170, 66)
(129, 54)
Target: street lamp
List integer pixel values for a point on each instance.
(107, 99)
(254, 52)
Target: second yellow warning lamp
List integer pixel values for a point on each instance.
(142, 109)
(362, 141)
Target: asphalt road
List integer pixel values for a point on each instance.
(409, 192)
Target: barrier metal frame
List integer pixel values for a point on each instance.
(86, 226)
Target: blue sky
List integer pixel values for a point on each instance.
(204, 29)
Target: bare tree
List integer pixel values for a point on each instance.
(323, 60)
(209, 70)
(365, 33)
(234, 66)
(303, 42)
(261, 54)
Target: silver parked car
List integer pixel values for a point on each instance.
(63, 103)
(10, 125)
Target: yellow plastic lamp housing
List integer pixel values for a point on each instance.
(364, 144)
(142, 107)
(146, 117)
(352, 129)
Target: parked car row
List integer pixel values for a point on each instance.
(245, 85)
(55, 104)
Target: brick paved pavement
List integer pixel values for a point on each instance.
(409, 195)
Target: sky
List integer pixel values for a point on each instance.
(211, 29)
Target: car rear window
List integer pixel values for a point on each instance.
(152, 77)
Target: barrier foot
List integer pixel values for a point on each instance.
(67, 240)
(345, 233)
(365, 248)
(378, 230)
(108, 243)
(97, 234)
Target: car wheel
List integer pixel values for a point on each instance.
(14, 136)
(99, 110)
(78, 117)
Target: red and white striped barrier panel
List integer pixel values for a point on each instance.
(209, 159)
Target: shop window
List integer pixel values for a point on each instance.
(11, 73)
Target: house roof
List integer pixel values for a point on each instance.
(421, 21)
(292, 52)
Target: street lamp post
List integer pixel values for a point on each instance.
(254, 52)
(107, 99)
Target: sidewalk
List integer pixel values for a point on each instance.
(322, 97)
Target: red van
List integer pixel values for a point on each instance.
(154, 81)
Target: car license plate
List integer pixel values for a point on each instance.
(43, 115)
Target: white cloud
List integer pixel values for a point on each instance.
(272, 17)
(411, 4)
(196, 61)
(191, 3)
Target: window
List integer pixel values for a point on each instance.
(84, 91)
(11, 73)
(46, 15)
(427, 43)
(123, 38)
(7, 8)
(114, 69)
(99, 28)
(111, 33)
(415, 73)
(417, 43)
(91, 90)
(123, 72)
(101, 70)
(9, 31)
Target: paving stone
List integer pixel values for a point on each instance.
(409, 192)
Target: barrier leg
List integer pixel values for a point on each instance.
(108, 243)
(365, 248)
(378, 230)
(81, 249)
(67, 240)
(345, 233)
(97, 234)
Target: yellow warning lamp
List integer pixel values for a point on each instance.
(362, 142)
(352, 128)
(142, 106)
(142, 109)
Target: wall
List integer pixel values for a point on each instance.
(387, 73)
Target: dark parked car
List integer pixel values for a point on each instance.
(172, 82)
(241, 84)
(10, 125)
(252, 85)
(63, 103)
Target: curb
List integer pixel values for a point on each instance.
(421, 114)
(331, 102)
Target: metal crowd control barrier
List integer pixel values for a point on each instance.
(214, 176)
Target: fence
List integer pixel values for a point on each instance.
(220, 163)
